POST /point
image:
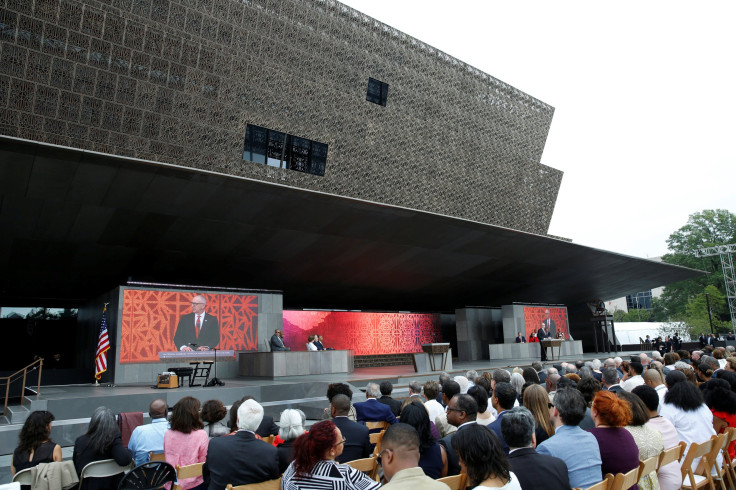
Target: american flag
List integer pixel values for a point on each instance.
(103, 344)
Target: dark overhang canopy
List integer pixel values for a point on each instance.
(75, 224)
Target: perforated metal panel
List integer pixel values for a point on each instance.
(177, 82)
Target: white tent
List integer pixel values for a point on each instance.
(629, 332)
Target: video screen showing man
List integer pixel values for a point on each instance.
(198, 329)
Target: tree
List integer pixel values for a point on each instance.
(704, 229)
(696, 312)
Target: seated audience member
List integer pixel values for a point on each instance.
(357, 438)
(386, 389)
(241, 459)
(310, 343)
(400, 459)
(481, 397)
(611, 380)
(648, 440)
(434, 408)
(214, 416)
(619, 453)
(551, 385)
(34, 443)
(449, 389)
(102, 441)
(483, 458)
(373, 410)
(576, 447)
(233, 417)
(633, 378)
(530, 374)
(315, 464)
(267, 427)
(537, 402)
(339, 389)
(150, 437)
(588, 387)
(517, 381)
(462, 381)
(670, 477)
(291, 426)
(432, 455)
(654, 378)
(503, 399)
(539, 368)
(535, 471)
(186, 443)
(415, 390)
(685, 407)
(461, 413)
(722, 403)
(471, 376)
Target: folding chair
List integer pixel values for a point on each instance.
(693, 479)
(269, 439)
(23, 477)
(103, 469)
(369, 466)
(456, 482)
(728, 462)
(605, 484)
(719, 443)
(624, 481)
(648, 466)
(188, 471)
(156, 456)
(376, 424)
(376, 439)
(266, 485)
(154, 474)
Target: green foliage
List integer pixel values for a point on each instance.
(704, 229)
(696, 312)
(634, 315)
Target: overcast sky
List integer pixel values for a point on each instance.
(645, 111)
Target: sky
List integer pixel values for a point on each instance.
(645, 111)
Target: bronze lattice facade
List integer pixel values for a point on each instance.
(178, 81)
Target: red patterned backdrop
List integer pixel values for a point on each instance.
(535, 315)
(364, 333)
(150, 319)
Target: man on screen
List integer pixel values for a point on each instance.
(198, 328)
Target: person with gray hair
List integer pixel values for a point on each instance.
(577, 448)
(291, 426)
(471, 375)
(462, 381)
(517, 381)
(242, 459)
(101, 441)
(611, 380)
(534, 470)
(415, 389)
(371, 410)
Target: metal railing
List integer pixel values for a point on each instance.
(15, 376)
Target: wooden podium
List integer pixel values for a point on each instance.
(552, 343)
(434, 349)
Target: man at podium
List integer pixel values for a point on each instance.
(197, 327)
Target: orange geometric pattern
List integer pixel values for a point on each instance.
(535, 315)
(363, 333)
(150, 319)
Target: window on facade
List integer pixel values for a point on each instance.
(277, 149)
(639, 301)
(377, 92)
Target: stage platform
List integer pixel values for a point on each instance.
(72, 405)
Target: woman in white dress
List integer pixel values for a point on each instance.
(483, 459)
(310, 343)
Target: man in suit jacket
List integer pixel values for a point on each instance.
(371, 409)
(534, 471)
(241, 459)
(504, 396)
(318, 342)
(267, 427)
(611, 380)
(357, 437)
(197, 327)
(386, 389)
(520, 339)
(462, 410)
(277, 341)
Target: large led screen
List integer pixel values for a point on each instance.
(363, 333)
(151, 321)
(555, 317)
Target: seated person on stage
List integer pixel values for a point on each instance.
(310, 343)
(150, 437)
(533, 337)
(357, 438)
(520, 339)
(318, 342)
(198, 327)
(400, 460)
(371, 409)
(242, 458)
(35, 444)
(533, 470)
(277, 341)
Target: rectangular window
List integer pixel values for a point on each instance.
(377, 92)
(281, 150)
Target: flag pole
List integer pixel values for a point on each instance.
(98, 373)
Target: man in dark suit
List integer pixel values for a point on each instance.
(277, 341)
(462, 410)
(267, 427)
(318, 342)
(197, 327)
(535, 471)
(241, 458)
(504, 396)
(611, 380)
(549, 325)
(371, 409)
(541, 335)
(357, 439)
(520, 339)
(386, 389)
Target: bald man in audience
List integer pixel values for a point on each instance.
(399, 459)
(150, 437)
(653, 378)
